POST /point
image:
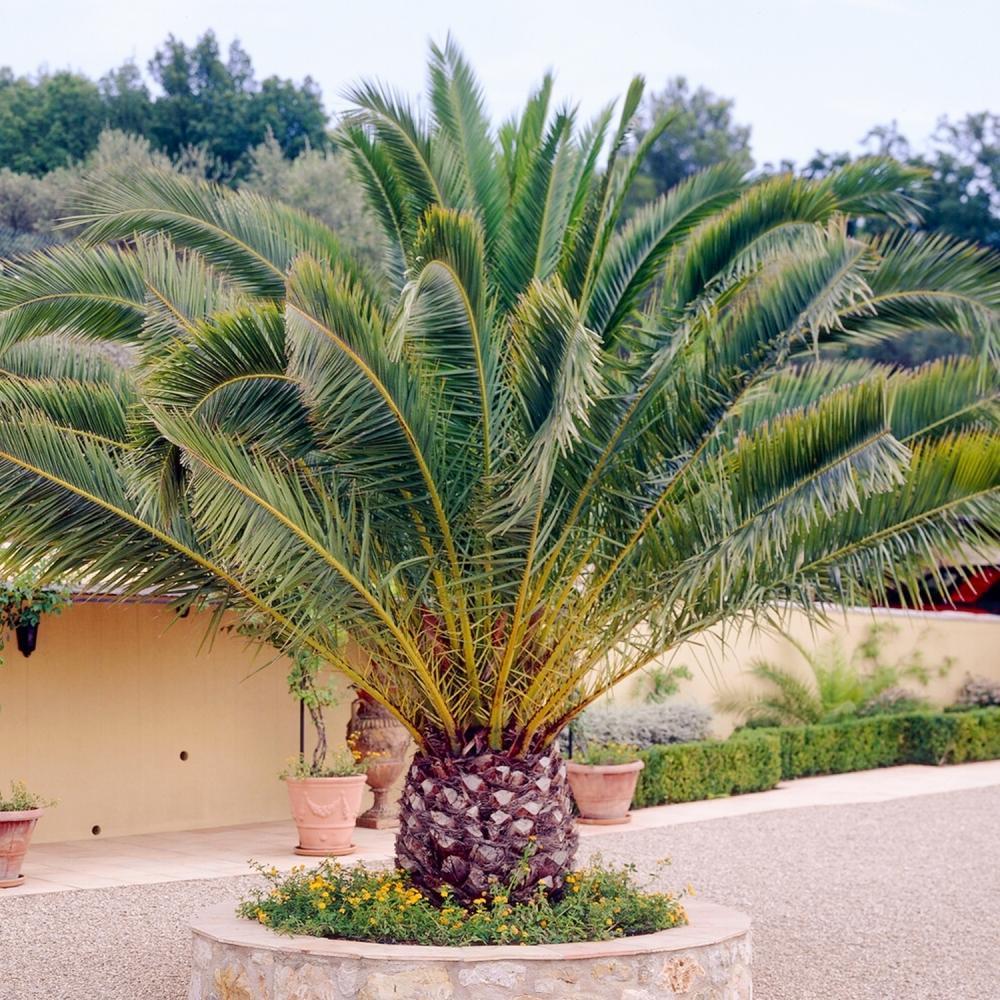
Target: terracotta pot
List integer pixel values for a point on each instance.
(382, 741)
(16, 829)
(324, 810)
(603, 792)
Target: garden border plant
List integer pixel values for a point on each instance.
(600, 903)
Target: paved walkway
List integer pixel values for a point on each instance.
(217, 853)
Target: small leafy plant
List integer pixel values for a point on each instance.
(23, 602)
(839, 685)
(338, 764)
(663, 682)
(354, 903)
(607, 753)
(20, 798)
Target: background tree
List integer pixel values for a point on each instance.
(320, 183)
(47, 122)
(201, 101)
(698, 132)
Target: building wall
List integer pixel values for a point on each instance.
(99, 715)
(949, 644)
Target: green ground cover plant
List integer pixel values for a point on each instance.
(599, 903)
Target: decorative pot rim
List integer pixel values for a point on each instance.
(709, 924)
(632, 765)
(328, 780)
(18, 815)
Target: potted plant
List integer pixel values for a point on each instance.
(22, 604)
(326, 789)
(20, 810)
(325, 797)
(602, 778)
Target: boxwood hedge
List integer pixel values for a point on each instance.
(756, 759)
(886, 740)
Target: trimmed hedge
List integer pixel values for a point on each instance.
(754, 760)
(685, 772)
(886, 740)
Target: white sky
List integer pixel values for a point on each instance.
(804, 73)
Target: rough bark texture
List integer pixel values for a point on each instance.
(467, 823)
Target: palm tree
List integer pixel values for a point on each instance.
(535, 452)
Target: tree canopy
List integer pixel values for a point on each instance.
(197, 98)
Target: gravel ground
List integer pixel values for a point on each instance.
(897, 900)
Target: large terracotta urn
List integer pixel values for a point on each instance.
(16, 829)
(382, 742)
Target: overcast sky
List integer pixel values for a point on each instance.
(804, 73)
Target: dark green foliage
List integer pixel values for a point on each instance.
(686, 772)
(700, 132)
(49, 121)
(885, 741)
(205, 101)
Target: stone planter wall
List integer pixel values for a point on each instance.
(709, 959)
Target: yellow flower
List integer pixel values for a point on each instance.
(479, 900)
(514, 930)
(502, 928)
(262, 916)
(320, 905)
(608, 922)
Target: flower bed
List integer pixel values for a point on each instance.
(355, 903)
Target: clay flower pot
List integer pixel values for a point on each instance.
(16, 829)
(603, 792)
(382, 743)
(324, 810)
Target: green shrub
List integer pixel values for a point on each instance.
(686, 772)
(884, 741)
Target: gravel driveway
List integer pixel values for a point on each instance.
(897, 900)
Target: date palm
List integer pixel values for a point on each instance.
(537, 450)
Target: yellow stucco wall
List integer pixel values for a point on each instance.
(972, 642)
(99, 714)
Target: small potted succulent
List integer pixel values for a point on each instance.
(326, 789)
(603, 777)
(20, 810)
(22, 604)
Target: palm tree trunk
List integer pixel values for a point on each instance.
(478, 824)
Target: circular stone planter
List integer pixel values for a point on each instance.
(709, 959)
